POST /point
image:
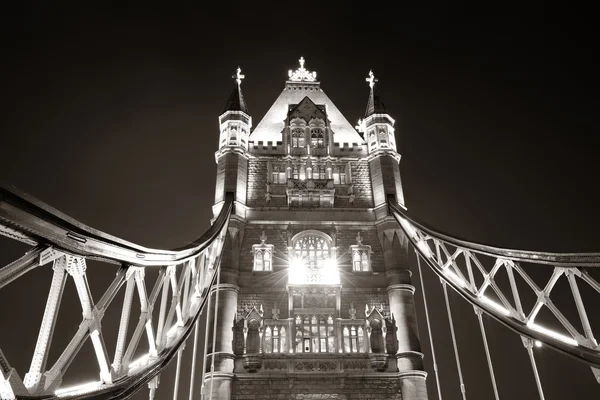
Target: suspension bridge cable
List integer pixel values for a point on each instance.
(214, 339)
(194, 352)
(435, 366)
(206, 331)
(478, 311)
(463, 389)
(177, 374)
(528, 343)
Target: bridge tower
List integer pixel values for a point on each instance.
(315, 296)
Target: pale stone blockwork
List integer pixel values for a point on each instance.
(327, 312)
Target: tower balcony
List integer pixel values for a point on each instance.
(310, 193)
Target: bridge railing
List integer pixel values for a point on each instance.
(180, 293)
(499, 282)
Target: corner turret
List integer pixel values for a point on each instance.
(235, 122)
(232, 155)
(377, 125)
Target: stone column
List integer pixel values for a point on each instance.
(224, 357)
(409, 358)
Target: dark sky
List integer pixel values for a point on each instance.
(111, 117)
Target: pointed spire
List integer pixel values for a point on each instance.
(236, 100)
(375, 105)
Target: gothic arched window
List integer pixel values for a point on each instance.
(317, 138)
(298, 137)
(312, 259)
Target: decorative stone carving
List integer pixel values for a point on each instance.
(355, 365)
(315, 366)
(252, 362)
(352, 311)
(275, 365)
(378, 361)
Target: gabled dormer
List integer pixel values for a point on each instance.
(307, 128)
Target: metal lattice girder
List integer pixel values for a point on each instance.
(462, 265)
(181, 288)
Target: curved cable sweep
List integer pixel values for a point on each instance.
(473, 270)
(180, 292)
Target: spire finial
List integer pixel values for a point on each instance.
(371, 79)
(238, 76)
(263, 237)
(301, 74)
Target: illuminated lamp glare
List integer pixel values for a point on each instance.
(82, 388)
(497, 307)
(552, 334)
(538, 343)
(330, 274)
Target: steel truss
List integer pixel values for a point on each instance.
(475, 270)
(181, 291)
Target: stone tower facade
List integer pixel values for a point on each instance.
(315, 296)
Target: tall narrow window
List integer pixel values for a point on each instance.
(353, 339)
(316, 138)
(322, 173)
(268, 340)
(263, 255)
(298, 138)
(361, 255)
(295, 172)
(275, 339)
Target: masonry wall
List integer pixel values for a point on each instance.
(360, 186)
(317, 388)
(277, 236)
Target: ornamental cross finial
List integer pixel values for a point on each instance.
(301, 74)
(358, 238)
(371, 79)
(263, 237)
(238, 76)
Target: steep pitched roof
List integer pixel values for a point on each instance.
(236, 101)
(374, 105)
(271, 126)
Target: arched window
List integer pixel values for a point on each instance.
(317, 138)
(263, 255)
(298, 138)
(312, 259)
(353, 339)
(262, 260)
(268, 340)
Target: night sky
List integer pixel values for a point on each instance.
(111, 117)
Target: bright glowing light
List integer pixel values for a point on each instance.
(330, 264)
(424, 248)
(498, 307)
(296, 263)
(538, 343)
(330, 274)
(455, 278)
(553, 334)
(79, 389)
